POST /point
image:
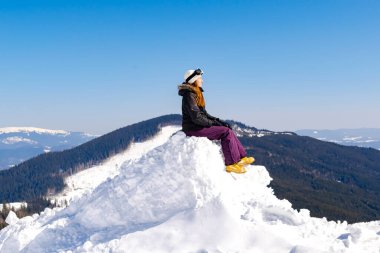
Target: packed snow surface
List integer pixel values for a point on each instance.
(178, 198)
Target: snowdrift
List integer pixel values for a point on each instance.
(177, 198)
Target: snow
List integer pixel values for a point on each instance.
(176, 197)
(348, 138)
(91, 135)
(17, 139)
(7, 130)
(11, 218)
(87, 180)
(240, 132)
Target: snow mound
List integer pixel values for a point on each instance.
(177, 198)
(84, 182)
(11, 218)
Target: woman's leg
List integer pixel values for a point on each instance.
(231, 146)
(242, 151)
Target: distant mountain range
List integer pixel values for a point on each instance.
(361, 137)
(18, 144)
(331, 180)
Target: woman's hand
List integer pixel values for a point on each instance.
(217, 123)
(226, 124)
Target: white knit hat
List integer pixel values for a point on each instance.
(189, 73)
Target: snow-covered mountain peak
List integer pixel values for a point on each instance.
(18, 144)
(361, 137)
(7, 130)
(178, 198)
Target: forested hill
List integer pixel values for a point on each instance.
(333, 181)
(45, 173)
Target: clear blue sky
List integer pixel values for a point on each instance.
(96, 66)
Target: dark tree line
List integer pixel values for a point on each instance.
(331, 180)
(35, 206)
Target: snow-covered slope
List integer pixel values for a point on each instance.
(18, 144)
(87, 180)
(177, 198)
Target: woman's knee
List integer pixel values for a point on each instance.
(227, 132)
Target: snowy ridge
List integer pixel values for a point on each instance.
(18, 144)
(7, 130)
(253, 132)
(362, 137)
(177, 198)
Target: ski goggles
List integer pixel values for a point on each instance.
(197, 72)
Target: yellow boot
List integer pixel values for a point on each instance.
(246, 161)
(235, 168)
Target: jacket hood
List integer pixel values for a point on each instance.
(185, 87)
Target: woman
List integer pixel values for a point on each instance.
(197, 122)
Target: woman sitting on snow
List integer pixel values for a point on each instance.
(197, 122)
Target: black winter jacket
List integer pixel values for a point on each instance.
(194, 117)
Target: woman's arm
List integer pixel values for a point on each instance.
(197, 116)
(222, 123)
(208, 115)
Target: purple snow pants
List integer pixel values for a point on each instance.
(232, 149)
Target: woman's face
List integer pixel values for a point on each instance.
(199, 82)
